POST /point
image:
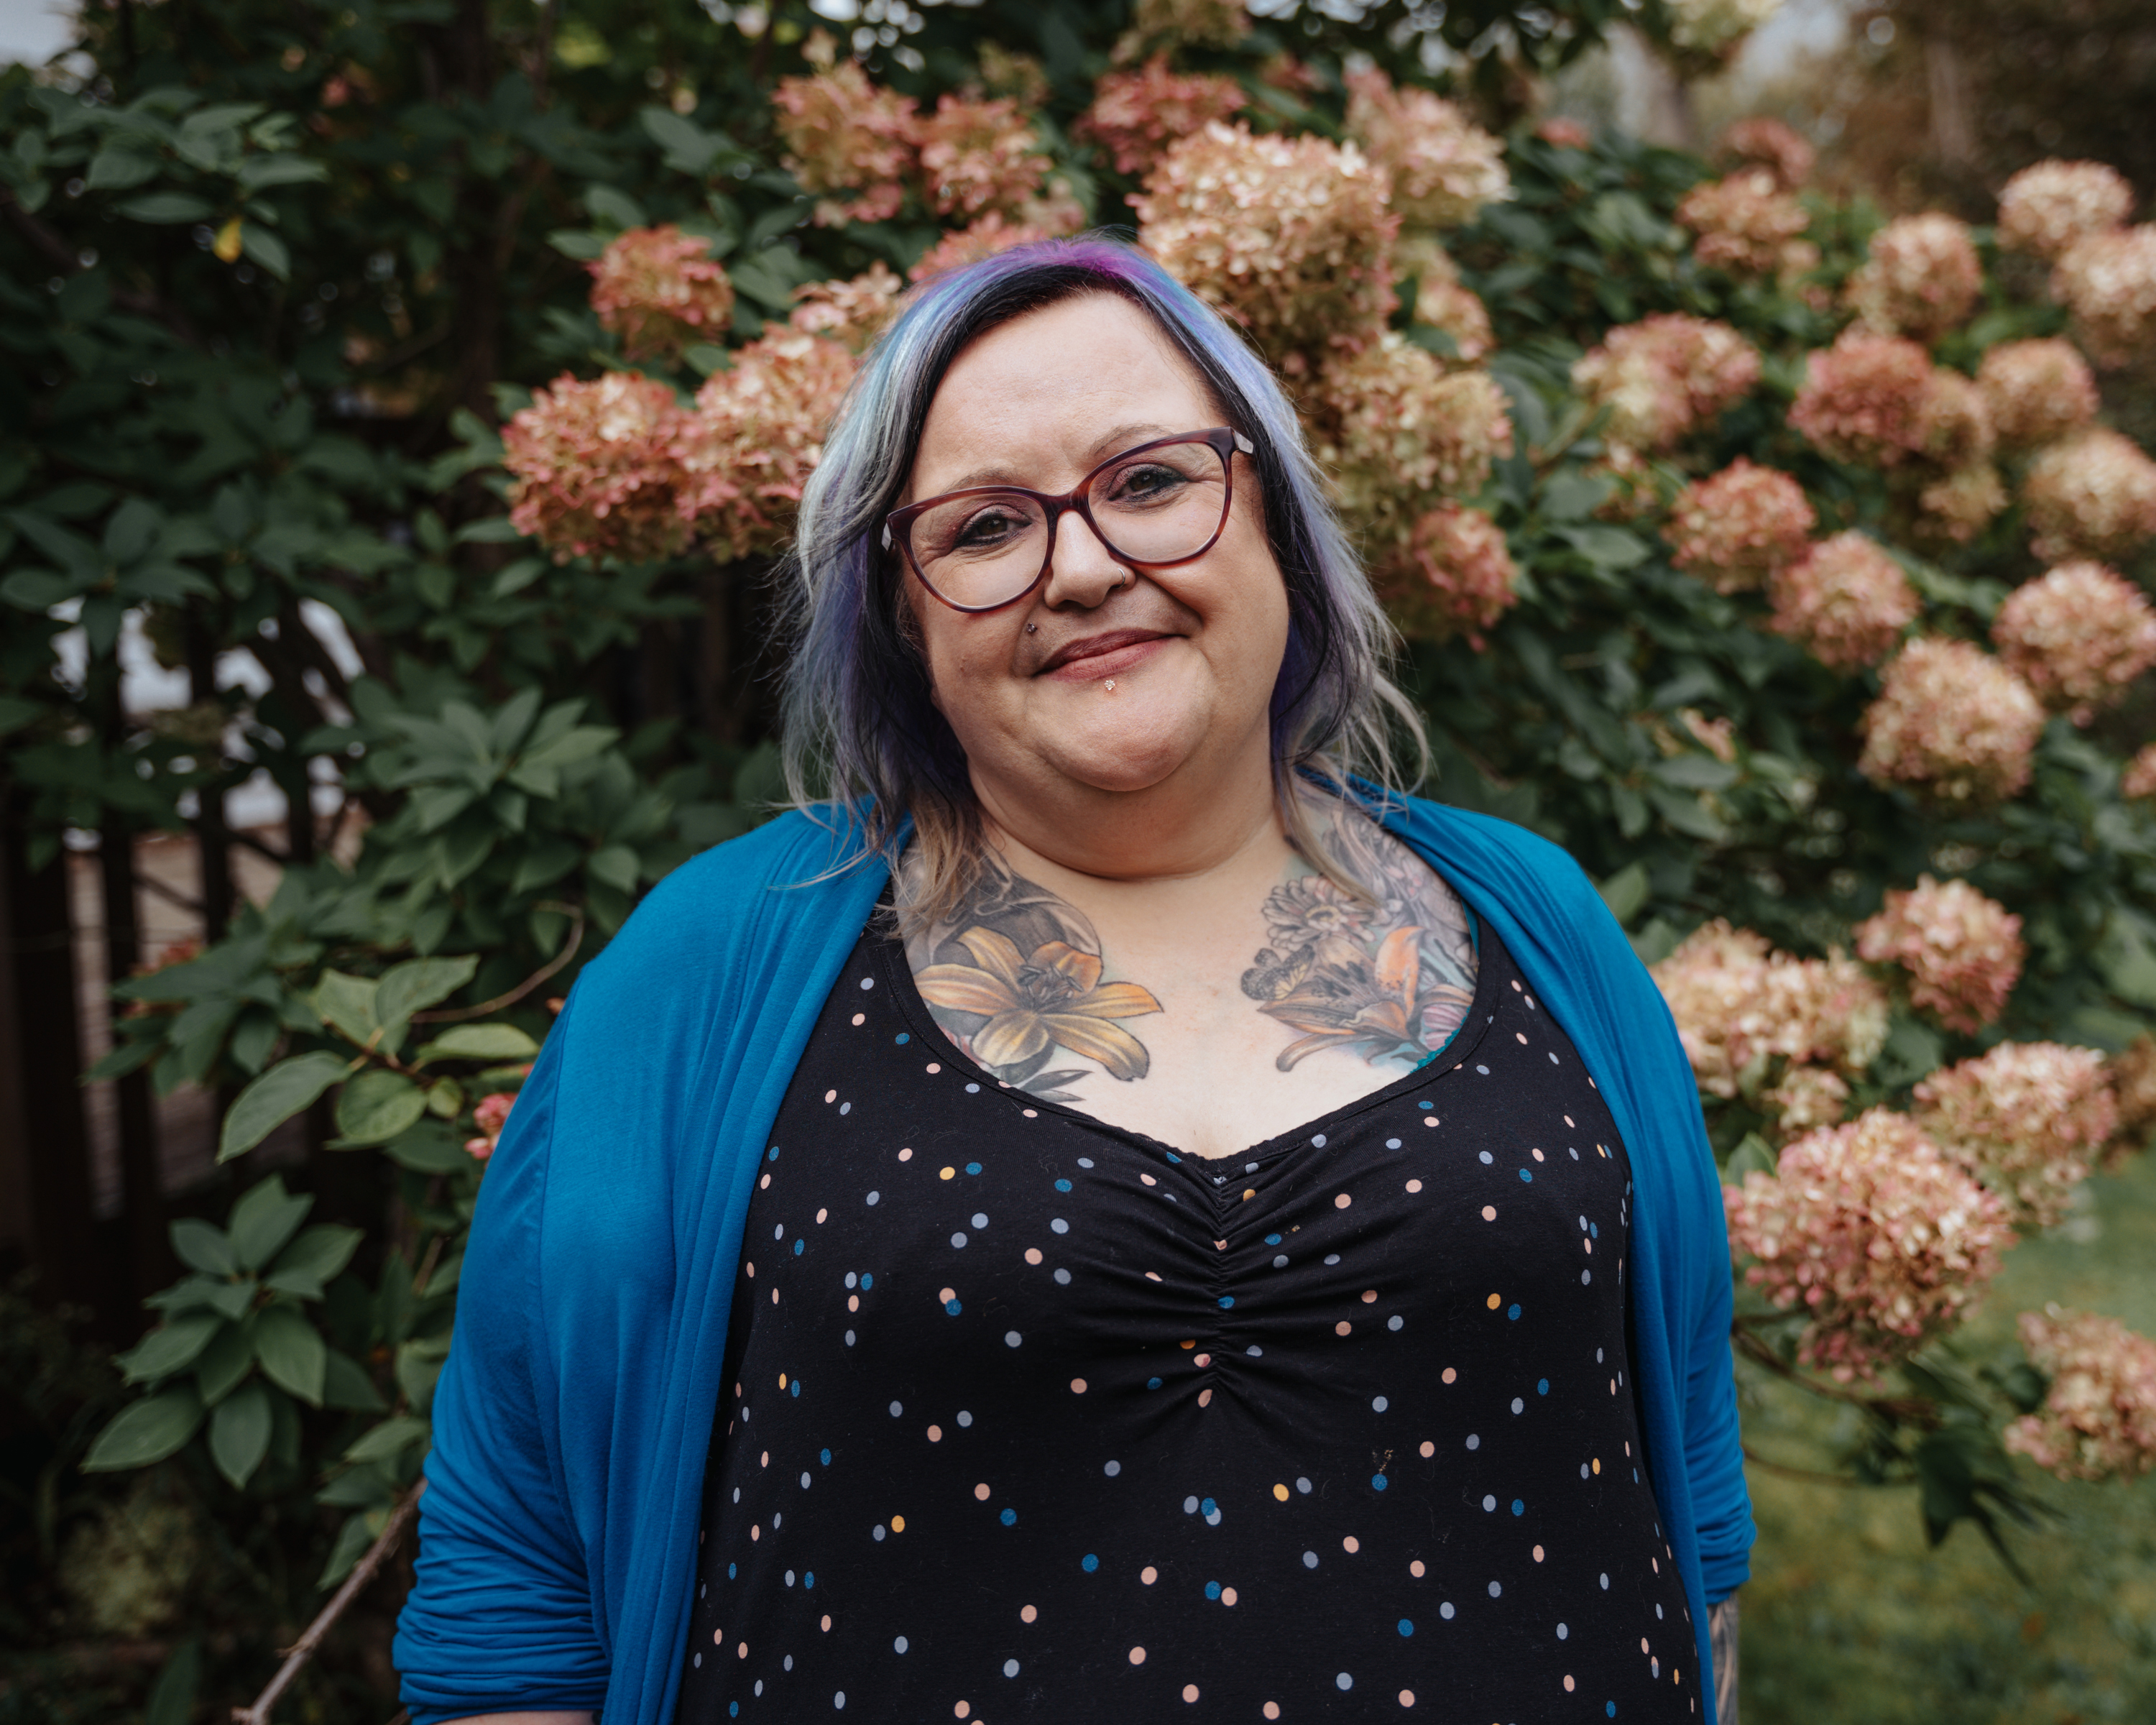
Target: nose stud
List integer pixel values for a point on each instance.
(1033, 628)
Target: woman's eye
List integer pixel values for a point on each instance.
(991, 527)
(1145, 484)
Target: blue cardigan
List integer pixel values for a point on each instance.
(558, 1530)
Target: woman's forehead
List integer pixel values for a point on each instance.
(1051, 384)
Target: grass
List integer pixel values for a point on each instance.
(1850, 1618)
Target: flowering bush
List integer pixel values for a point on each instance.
(1736, 529)
(1747, 224)
(1882, 1241)
(660, 288)
(2098, 1420)
(1444, 170)
(1441, 301)
(595, 469)
(978, 157)
(2046, 208)
(1137, 115)
(1454, 577)
(1771, 143)
(2035, 391)
(1738, 1004)
(2091, 494)
(1291, 238)
(2078, 636)
(846, 137)
(1962, 952)
(1952, 722)
(1844, 599)
(2028, 1119)
(1396, 431)
(1665, 377)
(2108, 282)
(1920, 280)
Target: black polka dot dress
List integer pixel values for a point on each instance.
(1027, 1416)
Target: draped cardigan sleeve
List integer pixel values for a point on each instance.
(571, 1422)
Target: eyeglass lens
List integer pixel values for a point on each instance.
(1157, 506)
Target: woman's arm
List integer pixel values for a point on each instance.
(1720, 1634)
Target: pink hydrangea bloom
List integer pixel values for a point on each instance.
(2036, 391)
(1807, 1098)
(1290, 237)
(1844, 599)
(984, 239)
(1957, 506)
(2138, 779)
(1736, 1001)
(978, 154)
(1135, 116)
(1440, 300)
(1953, 425)
(1396, 430)
(1565, 134)
(2027, 1119)
(2046, 208)
(757, 434)
(660, 289)
(2108, 282)
(490, 1114)
(1772, 145)
(1735, 528)
(1962, 952)
(1921, 278)
(1864, 399)
(852, 313)
(1183, 23)
(593, 469)
(2078, 636)
(1884, 1242)
(2091, 494)
(2098, 1420)
(1952, 722)
(1455, 577)
(1445, 169)
(845, 135)
(1664, 376)
(1747, 224)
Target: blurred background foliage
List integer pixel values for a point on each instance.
(272, 279)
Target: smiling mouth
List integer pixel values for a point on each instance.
(1102, 655)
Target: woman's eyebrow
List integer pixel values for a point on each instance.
(1108, 444)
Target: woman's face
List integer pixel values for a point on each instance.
(1107, 677)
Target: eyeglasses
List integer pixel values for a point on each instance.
(1160, 504)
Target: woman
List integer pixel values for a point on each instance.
(1122, 1218)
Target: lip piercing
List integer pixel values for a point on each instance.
(1109, 685)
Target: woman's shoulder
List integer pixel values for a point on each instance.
(1489, 842)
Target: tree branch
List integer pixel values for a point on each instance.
(459, 1015)
(306, 1646)
(47, 241)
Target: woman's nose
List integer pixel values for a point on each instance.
(1081, 570)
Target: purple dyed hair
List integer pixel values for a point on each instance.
(859, 729)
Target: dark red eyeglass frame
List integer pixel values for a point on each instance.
(897, 525)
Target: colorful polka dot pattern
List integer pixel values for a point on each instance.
(1029, 1417)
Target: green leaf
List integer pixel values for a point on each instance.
(421, 982)
(2127, 959)
(274, 1098)
(1911, 1050)
(1753, 1155)
(613, 208)
(346, 1386)
(119, 165)
(265, 248)
(390, 1440)
(292, 1353)
(346, 1004)
(258, 173)
(240, 1433)
(146, 1431)
(616, 865)
(172, 1696)
(430, 1149)
(318, 1254)
(204, 1246)
(1696, 772)
(38, 590)
(170, 1347)
(419, 1366)
(479, 1042)
(264, 1220)
(690, 149)
(352, 1540)
(167, 207)
(580, 243)
(1625, 893)
(578, 743)
(376, 1106)
(223, 1365)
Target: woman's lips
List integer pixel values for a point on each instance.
(1108, 655)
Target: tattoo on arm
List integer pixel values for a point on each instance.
(1391, 981)
(1722, 1637)
(1014, 974)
